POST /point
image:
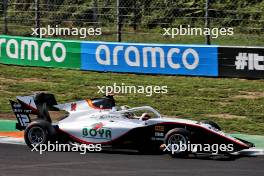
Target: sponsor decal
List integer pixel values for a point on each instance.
(108, 116)
(97, 131)
(98, 126)
(21, 113)
(247, 62)
(73, 106)
(39, 52)
(159, 128)
(147, 58)
(159, 134)
(157, 138)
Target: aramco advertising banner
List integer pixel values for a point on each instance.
(39, 52)
(198, 60)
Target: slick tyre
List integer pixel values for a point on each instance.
(174, 139)
(38, 132)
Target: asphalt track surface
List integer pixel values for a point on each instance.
(19, 160)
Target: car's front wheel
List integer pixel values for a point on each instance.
(177, 141)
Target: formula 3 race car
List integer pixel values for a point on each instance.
(100, 121)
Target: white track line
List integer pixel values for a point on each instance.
(20, 141)
(11, 140)
(252, 152)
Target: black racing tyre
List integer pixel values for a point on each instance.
(38, 132)
(175, 137)
(213, 124)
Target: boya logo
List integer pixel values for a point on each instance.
(33, 50)
(133, 55)
(97, 133)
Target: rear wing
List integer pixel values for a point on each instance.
(38, 104)
(22, 115)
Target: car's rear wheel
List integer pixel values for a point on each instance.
(37, 132)
(176, 141)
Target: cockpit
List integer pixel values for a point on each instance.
(141, 113)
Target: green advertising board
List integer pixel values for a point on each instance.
(40, 52)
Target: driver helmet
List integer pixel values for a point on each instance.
(145, 116)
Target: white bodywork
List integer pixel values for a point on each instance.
(112, 120)
(90, 125)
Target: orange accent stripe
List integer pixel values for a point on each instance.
(15, 134)
(90, 103)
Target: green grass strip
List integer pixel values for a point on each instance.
(255, 139)
(7, 125)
